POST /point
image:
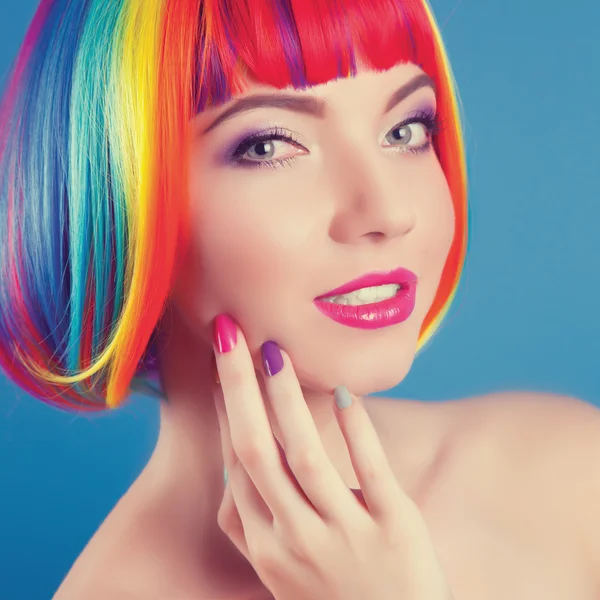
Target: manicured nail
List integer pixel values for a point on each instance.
(272, 358)
(224, 334)
(342, 396)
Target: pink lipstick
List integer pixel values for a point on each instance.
(369, 308)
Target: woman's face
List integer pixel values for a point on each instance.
(280, 222)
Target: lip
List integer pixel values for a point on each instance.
(378, 314)
(398, 276)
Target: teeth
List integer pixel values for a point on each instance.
(368, 295)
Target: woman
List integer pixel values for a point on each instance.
(145, 244)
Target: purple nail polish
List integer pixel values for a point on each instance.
(272, 358)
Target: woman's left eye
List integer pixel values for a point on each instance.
(415, 134)
(410, 135)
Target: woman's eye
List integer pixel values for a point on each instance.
(261, 150)
(270, 150)
(413, 134)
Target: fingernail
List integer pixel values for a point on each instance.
(215, 371)
(272, 358)
(224, 334)
(342, 396)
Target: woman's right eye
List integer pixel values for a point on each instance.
(262, 150)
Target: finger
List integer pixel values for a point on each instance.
(381, 491)
(230, 458)
(250, 430)
(230, 522)
(245, 507)
(304, 450)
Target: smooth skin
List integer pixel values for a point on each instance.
(288, 511)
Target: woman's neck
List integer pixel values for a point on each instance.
(186, 468)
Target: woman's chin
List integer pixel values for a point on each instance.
(377, 382)
(371, 379)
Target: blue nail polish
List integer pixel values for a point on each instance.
(342, 396)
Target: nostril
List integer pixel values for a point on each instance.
(375, 235)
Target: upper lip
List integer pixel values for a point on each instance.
(398, 276)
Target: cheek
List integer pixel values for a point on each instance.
(245, 247)
(249, 260)
(438, 219)
(435, 232)
(445, 225)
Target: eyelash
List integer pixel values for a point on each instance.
(428, 118)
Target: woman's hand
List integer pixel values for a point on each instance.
(287, 510)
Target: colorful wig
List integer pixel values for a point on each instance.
(93, 191)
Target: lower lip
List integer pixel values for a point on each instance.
(373, 316)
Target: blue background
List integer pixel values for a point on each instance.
(526, 316)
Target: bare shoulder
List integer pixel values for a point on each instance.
(528, 455)
(561, 431)
(124, 559)
(536, 411)
(551, 437)
(99, 591)
(554, 443)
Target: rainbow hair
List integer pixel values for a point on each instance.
(93, 194)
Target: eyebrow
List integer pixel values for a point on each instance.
(311, 105)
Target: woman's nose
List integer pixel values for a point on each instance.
(372, 204)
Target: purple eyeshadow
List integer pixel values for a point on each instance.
(227, 153)
(426, 107)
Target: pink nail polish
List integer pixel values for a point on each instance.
(224, 333)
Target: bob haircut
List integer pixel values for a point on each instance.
(93, 188)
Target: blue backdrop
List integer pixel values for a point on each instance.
(526, 316)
